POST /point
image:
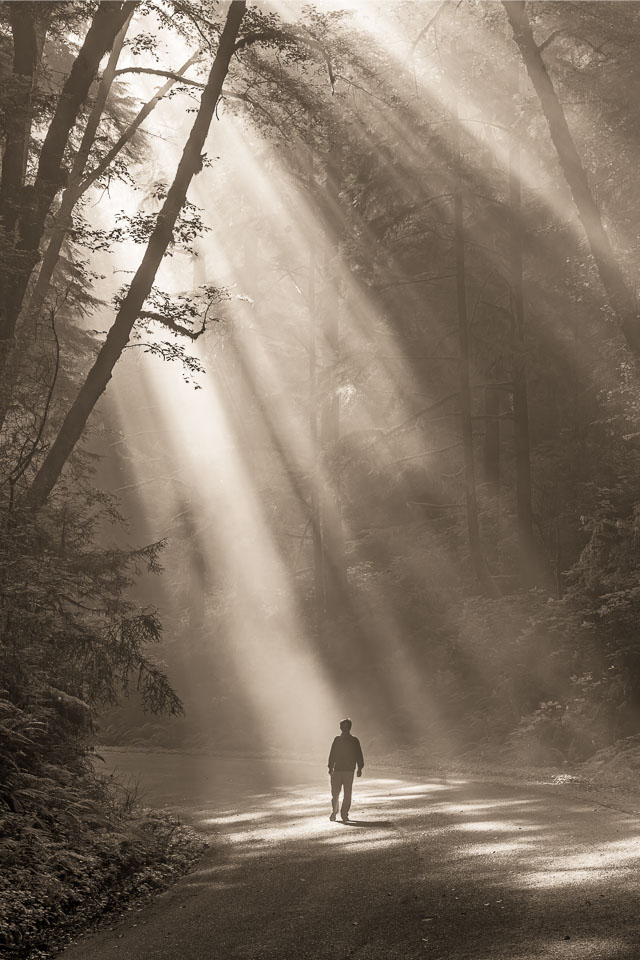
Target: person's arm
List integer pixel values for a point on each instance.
(359, 757)
(331, 757)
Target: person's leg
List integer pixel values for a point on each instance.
(336, 783)
(347, 782)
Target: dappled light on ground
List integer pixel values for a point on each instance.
(449, 869)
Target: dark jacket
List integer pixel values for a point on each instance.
(346, 753)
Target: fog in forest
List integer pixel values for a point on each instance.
(378, 405)
(369, 507)
(319, 396)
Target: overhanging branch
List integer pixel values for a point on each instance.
(269, 36)
(173, 324)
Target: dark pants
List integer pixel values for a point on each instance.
(341, 780)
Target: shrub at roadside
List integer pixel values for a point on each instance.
(58, 871)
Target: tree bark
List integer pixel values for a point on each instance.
(619, 292)
(491, 449)
(28, 32)
(118, 336)
(524, 510)
(28, 218)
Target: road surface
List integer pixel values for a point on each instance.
(431, 869)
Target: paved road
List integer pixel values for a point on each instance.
(433, 869)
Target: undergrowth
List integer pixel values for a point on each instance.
(94, 849)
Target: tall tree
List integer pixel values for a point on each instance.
(79, 182)
(620, 294)
(24, 211)
(524, 511)
(478, 559)
(161, 236)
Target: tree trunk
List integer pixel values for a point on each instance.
(619, 292)
(27, 219)
(529, 565)
(28, 33)
(491, 450)
(118, 336)
(478, 560)
(31, 310)
(491, 463)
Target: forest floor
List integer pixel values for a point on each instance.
(457, 867)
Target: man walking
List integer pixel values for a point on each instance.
(344, 757)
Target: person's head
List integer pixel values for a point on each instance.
(345, 725)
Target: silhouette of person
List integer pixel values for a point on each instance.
(345, 755)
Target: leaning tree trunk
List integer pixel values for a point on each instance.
(620, 294)
(118, 335)
(79, 183)
(35, 301)
(25, 220)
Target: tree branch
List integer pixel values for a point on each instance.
(173, 324)
(428, 453)
(427, 27)
(268, 36)
(37, 199)
(162, 73)
(133, 302)
(144, 112)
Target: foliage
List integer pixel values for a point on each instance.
(90, 855)
(71, 640)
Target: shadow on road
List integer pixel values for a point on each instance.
(463, 870)
(365, 823)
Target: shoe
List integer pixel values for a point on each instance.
(332, 817)
(345, 819)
